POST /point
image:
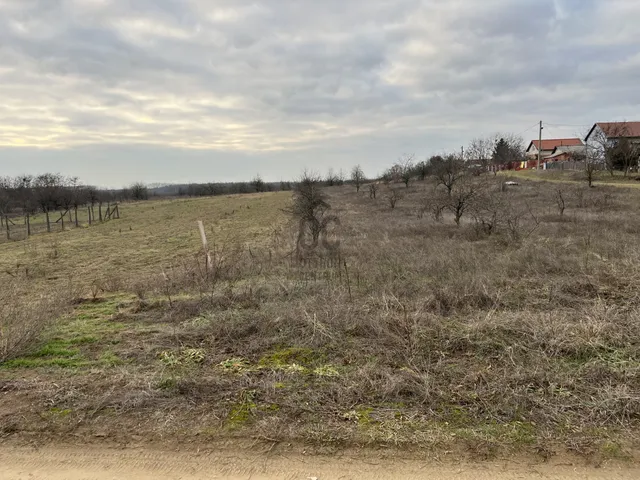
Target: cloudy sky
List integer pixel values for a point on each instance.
(116, 91)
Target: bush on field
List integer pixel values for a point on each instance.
(23, 318)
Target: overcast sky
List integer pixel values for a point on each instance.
(116, 91)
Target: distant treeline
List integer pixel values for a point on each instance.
(228, 188)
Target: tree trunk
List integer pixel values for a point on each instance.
(100, 211)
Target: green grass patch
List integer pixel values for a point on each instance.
(288, 356)
(45, 362)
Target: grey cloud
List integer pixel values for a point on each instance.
(282, 83)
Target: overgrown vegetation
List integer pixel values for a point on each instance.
(499, 316)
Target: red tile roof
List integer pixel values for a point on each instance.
(556, 142)
(619, 129)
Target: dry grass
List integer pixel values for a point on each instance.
(422, 333)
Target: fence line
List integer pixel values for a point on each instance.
(19, 227)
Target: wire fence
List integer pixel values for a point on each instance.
(19, 227)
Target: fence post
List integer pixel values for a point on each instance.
(28, 222)
(6, 222)
(89, 212)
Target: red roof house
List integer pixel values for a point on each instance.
(614, 131)
(549, 145)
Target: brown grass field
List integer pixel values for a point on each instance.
(424, 334)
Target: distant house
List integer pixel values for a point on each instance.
(613, 131)
(565, 153)
(548, 147)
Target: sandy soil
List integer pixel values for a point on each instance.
(94, 463)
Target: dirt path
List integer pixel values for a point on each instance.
(92, 463)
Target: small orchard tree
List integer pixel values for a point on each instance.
(357, 177)
(406, 168)
(422, 169)
(309, 207)
(393, 196)
(139, 191)
(480, 150)
(448, 170)
(461, 199)
(47, 189)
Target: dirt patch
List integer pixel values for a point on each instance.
(75, 463)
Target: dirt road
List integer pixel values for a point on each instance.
(92, 463)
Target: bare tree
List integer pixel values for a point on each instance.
(406, 168)
(422, 169)
(447, 170)
(393, 196)
(460, 199)
(47, 190)
(357, 177)
(139, 191)
(481, 150)
(309, 208)
(331, 179)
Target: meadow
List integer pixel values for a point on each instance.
(517, 329)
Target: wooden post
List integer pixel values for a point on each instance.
(6, 222)
(117, 212)
(76, 212)
(46, 214)
(205, 245)
(62, 218)
(100, 211)
(89, 212)
(28, 223)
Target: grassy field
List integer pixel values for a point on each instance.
(521, 335)
(601, 178)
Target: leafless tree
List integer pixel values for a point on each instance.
(422, 169)
(461, 198)
(139, 191)
(310, 209)
(331, 179)
(481, 150)
(357, 177)
(393, 196)
(448, 170)
(47, 190)
(406, 168)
